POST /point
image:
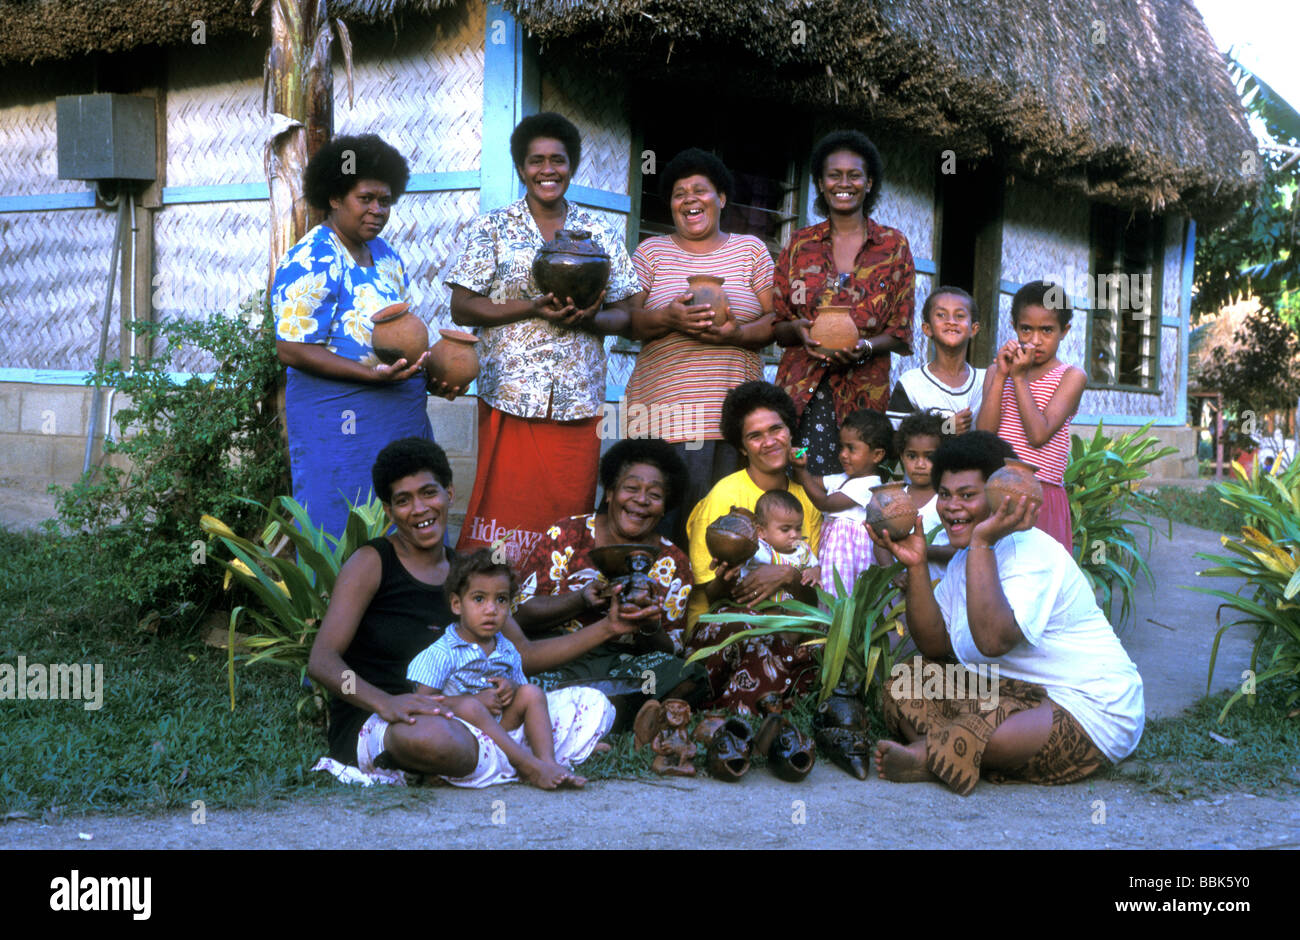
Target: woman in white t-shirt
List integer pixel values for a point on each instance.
(1048, 694)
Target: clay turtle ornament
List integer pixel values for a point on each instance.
(840, 729)
(790, 754)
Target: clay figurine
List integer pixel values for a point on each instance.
(663, 726)
(730, 750)
(840, 729)
(790, 755)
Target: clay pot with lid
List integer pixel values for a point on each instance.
(398, 334)
(453, 359)
(892, 510)
(834, 328)
(1016, 478)
(733, 538)
(708, 290)
(572, 265)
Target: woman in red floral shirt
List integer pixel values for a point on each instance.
(848, 260)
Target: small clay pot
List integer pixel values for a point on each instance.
(840, 730)
(834, 328)
(453, 359)
(708, 290)
(732, 538)
(731, 750)
(572, 265)
(398, 334)
(790, 755)
(1016, 478)
(891, 509)
(707, 728)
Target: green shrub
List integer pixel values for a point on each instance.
(191, 447)
(1267, 556)
(1107, 508)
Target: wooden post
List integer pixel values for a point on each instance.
(1218, 436)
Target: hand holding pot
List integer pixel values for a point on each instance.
(1016, 514)
(569, 314)
(683, 316)
(909, 550)
(399, 371)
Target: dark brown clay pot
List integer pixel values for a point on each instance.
(453, 359)
(790, 755)
(398, 334)
(892, 510)
(840, 730)
(732, 538)
(731, 750)
(707, 728)
(1016, 478)
(572, 265)
(834, 328)
(708, 290)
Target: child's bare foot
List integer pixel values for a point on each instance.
(547, 775)
(902, 763)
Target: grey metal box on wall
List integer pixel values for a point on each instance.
(103, 137)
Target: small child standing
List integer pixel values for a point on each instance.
(948, 384)
(917, 439)
(778, 517)
(846, 545)
(481, 675)
(1031, 397)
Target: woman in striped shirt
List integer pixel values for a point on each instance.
(687, 364)
(1030, 397)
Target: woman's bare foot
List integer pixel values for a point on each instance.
(602, 747)
(902, 763)
(547, 775)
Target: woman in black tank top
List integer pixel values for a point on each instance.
(388, 604)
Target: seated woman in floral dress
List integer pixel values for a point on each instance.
(561, 590)
(1057, 697)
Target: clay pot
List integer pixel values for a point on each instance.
(840, 730)
(834, 328)
(572, 265)
(891, 509)
(453, 359)
(790, 755)
(731, 750)
(398, 334)
(708, 726)
(732, 538)
(708, 290)
(1016, 478)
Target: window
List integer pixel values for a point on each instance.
(1123, 322)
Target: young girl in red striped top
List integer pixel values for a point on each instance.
(1031, 396)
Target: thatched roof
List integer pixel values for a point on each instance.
(1126, 100)
(36, 30)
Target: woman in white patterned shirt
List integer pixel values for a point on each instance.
(542, 384)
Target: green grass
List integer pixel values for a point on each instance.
(1177, 758)
(1199, 507)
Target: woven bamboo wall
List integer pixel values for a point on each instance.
(907, 204)
(600, 113)
(53, 263)
(425, 229)
(215, 126)
(421, 89)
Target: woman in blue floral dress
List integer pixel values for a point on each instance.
(342, 404)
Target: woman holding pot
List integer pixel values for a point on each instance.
(847, 261)
(561, 590)
(689, 360)
(542, 383)
(756, 421)
(342, 404)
